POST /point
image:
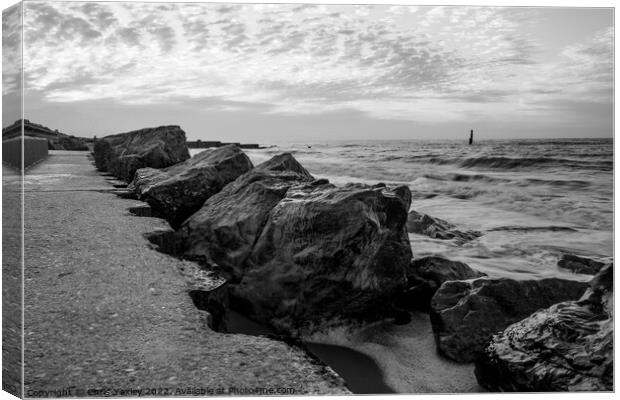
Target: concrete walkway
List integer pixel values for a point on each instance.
(105, 312)
(11, 280)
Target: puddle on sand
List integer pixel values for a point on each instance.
(144, 211)
(361, 373)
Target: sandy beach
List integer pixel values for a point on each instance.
(407, 356)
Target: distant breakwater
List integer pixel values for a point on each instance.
(199, 144)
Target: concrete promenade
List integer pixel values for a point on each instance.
(11, 280)
(106, 312)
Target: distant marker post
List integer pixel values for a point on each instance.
(471, 136)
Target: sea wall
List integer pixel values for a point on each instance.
(35, 149)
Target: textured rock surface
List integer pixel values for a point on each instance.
(299, 251)
(178, 191)
(466, 314)
(326, 253)
(123, 154)
(566, 347)
(580, 265)
(426, 275)
(224, 230)
(436, 228)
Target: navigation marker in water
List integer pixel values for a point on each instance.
(471, 136)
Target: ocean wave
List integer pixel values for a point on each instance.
(520, 162)
(509, 162)
(552, 228)
(571, 184)
(456, 177)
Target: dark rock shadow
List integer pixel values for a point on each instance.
(360, 372)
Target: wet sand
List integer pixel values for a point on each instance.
(407, 356)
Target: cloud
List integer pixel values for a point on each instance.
(388, 62)
(11, 50)
(99, 16)
(226, 9)
(130, 36)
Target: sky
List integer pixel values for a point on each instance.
(273, 73)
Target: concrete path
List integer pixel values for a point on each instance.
(104, 312)
(11, 280)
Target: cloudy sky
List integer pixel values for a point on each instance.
(271, 73)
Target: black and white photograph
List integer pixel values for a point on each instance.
(207, 199)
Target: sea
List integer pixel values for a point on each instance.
(532, 200)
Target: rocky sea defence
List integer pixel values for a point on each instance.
(580, 265)
(466, 314)
(224, 230)
(437, 228)
(426, 275)
(302, 253)
(178, 191)
(327, 254)
(566, 347)
(301, 259)
(123, 154)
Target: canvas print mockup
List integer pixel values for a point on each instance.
(205, 199)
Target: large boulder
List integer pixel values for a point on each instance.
(223, 232)
(327, 254)
(436, 228)
(300, 252)
(178, 191)
(566, 347)
(426, 275)
(123, 154)
(580, 265)
(103, 150)
(466, 314)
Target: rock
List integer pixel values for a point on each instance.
(566, 347)
(178, 191)
(224, 230)
(299, 251)
(102, 150)
(466, 314)
(123, 154)
(436, 228)
(327, 254)
(580, 265)
(426, 275)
